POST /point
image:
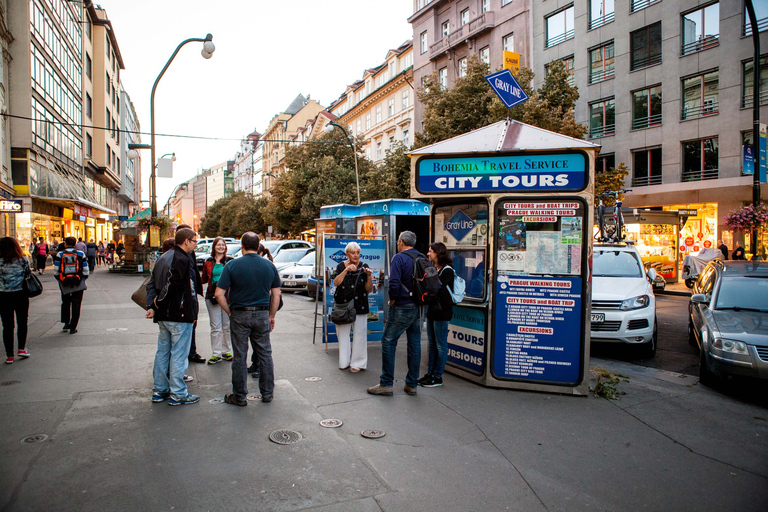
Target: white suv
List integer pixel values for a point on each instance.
(623, 304)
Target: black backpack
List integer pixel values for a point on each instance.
(426, 281)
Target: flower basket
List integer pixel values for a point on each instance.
(747, 218)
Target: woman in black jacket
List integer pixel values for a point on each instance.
(438, 317)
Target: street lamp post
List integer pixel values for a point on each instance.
(755, 119)
(328, 129)
(207, 53)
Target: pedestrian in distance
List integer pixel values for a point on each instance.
(71, 268)
(102, 259)
(91, 250)
(723, 249)
(404, 316)
(353, 281)
(264, 252)
(254, 297)
(111, 252)
(33, 254)
(81, 246)
(14, 300)
(120, 250)
(194, 357)
(42, 256)
(738, 252)
(438, 317)
(221, 344)
(172, 304)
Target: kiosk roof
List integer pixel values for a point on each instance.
(506, 135)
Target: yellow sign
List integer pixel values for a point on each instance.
(512, 61)
(154, 236)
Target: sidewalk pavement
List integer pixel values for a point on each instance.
(667, 444)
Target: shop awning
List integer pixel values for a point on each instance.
(69, 203)
(146, 212)
(95, 206)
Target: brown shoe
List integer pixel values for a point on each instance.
(409, 390)
(232, 399)
(378, 389)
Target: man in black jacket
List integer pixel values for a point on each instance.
(172, 304)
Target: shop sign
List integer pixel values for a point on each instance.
(520, 173)
(83, 211)
(688, 213)
(707, 244)
(466, 339)
(689, 241)
(459, 225)
(12, 206)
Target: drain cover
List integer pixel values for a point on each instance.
(252, 398)
(9, 382)
(285, 436)
(313, 379)
(331, 423)
(216, 400)
(373, 434)
(116, 329)
(35, 438)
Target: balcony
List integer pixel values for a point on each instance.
(746, 101)
(475, 27)
(709, 108)
(602, 131)
(651, 60)
(646, 181)
(560, 38)
(602, 20)
(646, 122)
(603, 74)
(639, 5)
(700, 45)
(699, 174)
(762, 24)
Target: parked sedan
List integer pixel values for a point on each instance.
(294, 277)
(728, 319)
(275, 246)
(200, 257)
(288, 257)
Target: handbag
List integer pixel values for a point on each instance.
(344, 312)
(32, 285)
(140, 295)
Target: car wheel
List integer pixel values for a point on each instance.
(689, 282)
(691, 335)
(648, 350)
(706, 377)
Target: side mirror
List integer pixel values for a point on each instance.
(698, 298)
(652, 274)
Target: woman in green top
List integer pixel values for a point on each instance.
(221, 343)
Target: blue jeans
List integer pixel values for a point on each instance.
(400, 319)
(254, 325)
(437, 333)
(171, 358)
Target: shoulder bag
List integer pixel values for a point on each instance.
(140, 295)
(344, 312)
(32, 284)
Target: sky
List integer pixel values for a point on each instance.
(267, 52)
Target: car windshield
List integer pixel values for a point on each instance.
(232, 249)
(289, 255)
(612, 263)
(309, 259)
(272, 245)
(743, 292)
(203, 248)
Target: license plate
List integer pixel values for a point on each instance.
(289, 283)
(598, 318)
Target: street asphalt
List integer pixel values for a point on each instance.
(667, 444)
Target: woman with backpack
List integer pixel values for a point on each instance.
(42, 256)
(438, 316)
(14, 267)
(221, 344)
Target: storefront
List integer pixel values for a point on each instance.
(656, 237)
(700, 228)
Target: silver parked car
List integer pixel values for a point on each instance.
(294, 277)
(728, 319)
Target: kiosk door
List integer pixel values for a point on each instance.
(540, 290)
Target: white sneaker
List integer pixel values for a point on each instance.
(188, 378)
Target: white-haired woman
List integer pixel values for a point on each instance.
(353, 281)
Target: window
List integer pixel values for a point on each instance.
(747, 84)
(508, 43)
(118, 167)
(406, 99)
(88, 65)
(645, 46)
(109, 46)
(602, 118)
(700, 159)
(423, 42)
(367, 122)
(646, 107)
(378, 114)
(443, 77)
(106, 156)
(701, 29)
(378, 150)
(359, 126)
(605, 163)
(486, 7)
(761, 16)
(406, 138)
(559, 27)
(505, 2)
(639, 5)
(88, 106)
(601, 62)
(463, 67)
(464, 17)
(700, 96)
(485, 55)
(391, 107)
(107, 119)
(106, 81)
(646, 165)
(568, 63)
(88, 145)
(446, 28)
(600, 13)
(89, 28)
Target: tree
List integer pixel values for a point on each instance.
(392, 179)
(234, 215)
(610, 180)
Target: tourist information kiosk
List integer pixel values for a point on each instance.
(391, 217)
(514, 205)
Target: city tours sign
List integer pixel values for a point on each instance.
(556, 172)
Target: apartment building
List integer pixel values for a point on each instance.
(200, 198)
(281, 129)
(219, 182)
(378, 108)
(447, 32)
(181, 204)
(665, 87)
(129, 194)
(8, 224)
(245, 164)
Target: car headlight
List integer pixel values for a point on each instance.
(726, 345)
(639, 302)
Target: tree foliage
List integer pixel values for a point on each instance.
(234, 215)
(392, 179)
(610, 180)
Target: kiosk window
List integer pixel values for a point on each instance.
(463, 228)
(470, 265)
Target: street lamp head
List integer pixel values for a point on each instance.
(173, 157)
(209, 47)
(133, 154)
(206, 55)
(328, 128)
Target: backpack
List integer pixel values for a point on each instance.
(69, 269)
(459, 287)
(426, 281)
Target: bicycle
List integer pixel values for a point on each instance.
(611, 233)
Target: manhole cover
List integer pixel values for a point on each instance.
(35, 438)
(373, 434)
(252, 398)
(285, 437)
(216, 400)
(9, 382)
(331, 423)
(116, 329)
(313, 379)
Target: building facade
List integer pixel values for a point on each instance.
(245, 164)
(180, 207)
(200, 198)
(129, 194)
(665, 87)
(219, 182)
(447, 32)
(8, 223)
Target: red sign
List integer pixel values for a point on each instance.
(707, 244)
(683, 248)
(695, 248)
(700, 235)
(689, 241)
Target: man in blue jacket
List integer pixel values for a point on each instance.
(404, 316)
(172, 304)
